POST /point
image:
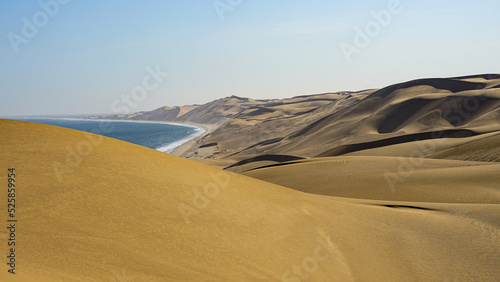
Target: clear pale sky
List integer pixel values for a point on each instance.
(87, 54)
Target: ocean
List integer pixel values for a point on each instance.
(159, 136)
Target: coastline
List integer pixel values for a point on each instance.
(183, 144)
(186, 146)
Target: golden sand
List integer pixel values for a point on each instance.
(121, 212)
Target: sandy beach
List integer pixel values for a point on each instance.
(189, 145)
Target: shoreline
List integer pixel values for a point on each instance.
(186, 146)
(178, 150)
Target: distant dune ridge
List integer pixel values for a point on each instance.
(384, 122)
(396, 184)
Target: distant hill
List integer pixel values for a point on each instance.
(390, 121)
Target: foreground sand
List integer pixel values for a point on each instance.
(115, 215)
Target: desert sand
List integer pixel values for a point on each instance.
(396, 184)
(116, 215)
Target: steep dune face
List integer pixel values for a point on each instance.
(96, 209)
(249, 134)
(219, 111)
(453, 85)
(404, 109)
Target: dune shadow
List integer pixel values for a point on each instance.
(451, 133)
(273, 158)
(407, 207)
(489, 76)
(401, 113)
(452, 85)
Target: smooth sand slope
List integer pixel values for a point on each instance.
(114, 216)
(390, 178)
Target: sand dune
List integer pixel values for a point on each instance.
(389, 178)
(451, 110)
(115, 216)
(484, 149)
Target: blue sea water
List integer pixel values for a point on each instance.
(160, 136)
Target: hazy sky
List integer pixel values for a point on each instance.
(89, 56)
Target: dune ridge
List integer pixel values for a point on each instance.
(340, 123)
(405, 113)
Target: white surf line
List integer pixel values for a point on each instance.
(198, 130)
(169, 148)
